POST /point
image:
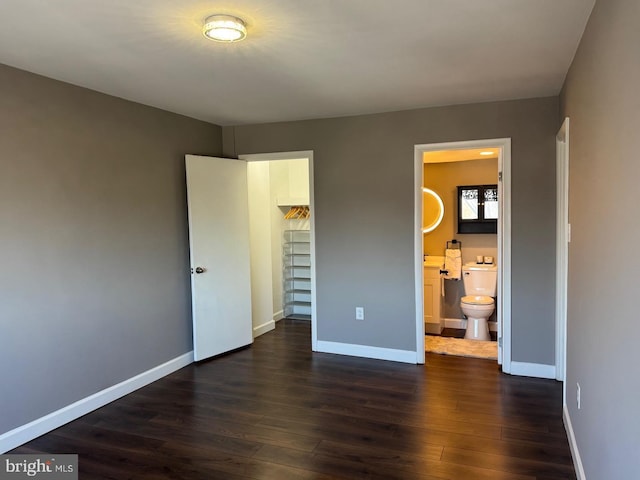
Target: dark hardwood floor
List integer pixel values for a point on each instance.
(278, 411)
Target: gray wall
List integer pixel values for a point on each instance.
(601, 98)
(94, 284)
(364, 192)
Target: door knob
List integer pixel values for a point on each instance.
(199, 270)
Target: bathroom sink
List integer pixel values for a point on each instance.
(435, 261)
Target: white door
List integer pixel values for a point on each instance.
(219, 248)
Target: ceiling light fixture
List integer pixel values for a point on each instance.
(224, 28)
(488, 152)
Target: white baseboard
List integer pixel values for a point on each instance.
(461, 323)
(25, 433)
(264, 328)
(378, 353)
(537, 370)
(575, 453)
(279, 315)
(455, 323)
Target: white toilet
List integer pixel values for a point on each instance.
(480, 282)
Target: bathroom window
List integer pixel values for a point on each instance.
(478, 209)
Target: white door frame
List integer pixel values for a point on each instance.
(563, 237)
(262, 157)
(504, 242)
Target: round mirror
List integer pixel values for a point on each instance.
(432, 210)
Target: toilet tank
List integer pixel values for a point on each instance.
(480, 279)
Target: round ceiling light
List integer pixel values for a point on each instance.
(224, 28)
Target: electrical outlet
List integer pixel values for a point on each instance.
(359, 313)
(578, 395)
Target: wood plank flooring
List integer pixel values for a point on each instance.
(278, 411)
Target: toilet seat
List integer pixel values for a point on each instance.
(477, 300)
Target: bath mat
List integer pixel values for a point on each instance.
(461, 347)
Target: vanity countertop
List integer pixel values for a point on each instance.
(433, 261)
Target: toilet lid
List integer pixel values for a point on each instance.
(477, 300)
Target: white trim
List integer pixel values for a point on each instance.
(458, 323)
(562, 246)
(461, 323)
(308, 154)
(264, 328)
(379, 353)
(42, 425)
(575, 453)
(504, 241)
(504, 258)
(537, 370)
(419, 255)
(265, 157)
(279, 315)
(312, 218)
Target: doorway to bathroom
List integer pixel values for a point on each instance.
(462, 174)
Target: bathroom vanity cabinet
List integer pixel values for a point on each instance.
(432, 297)
(296, 260)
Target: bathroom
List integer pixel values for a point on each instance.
(445, 172)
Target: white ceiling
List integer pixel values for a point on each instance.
(302, 58)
